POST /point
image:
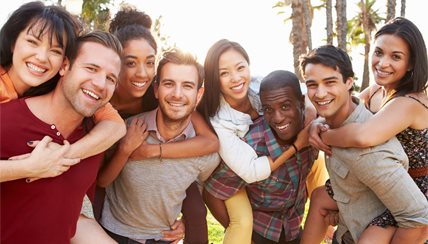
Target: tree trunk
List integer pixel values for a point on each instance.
(297, 36)
(341, 23)
(329, 21)
(367, 39)
(403, 8)
(390, 10)
(308, 22)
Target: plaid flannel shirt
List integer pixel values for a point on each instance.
(277, 201)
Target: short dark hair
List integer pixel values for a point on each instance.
(329, 56)
(210, 102)
(177, 56)
(131, 24)
(415, 80)
(280, 79)
(54, 20)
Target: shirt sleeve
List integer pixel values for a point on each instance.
(208, 165)
(107, 112)
(241, 157)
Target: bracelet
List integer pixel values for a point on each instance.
(294, 146)
(160, 152)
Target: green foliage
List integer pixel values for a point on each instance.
(215, 230)
(96, 14)
(355, 25)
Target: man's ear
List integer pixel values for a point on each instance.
(199, 95)
(64, 67)
(349, 83)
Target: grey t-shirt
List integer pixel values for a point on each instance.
(146, 198)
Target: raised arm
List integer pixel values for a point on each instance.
(135, 136)
(394, 117)
(205, 142)
(109, 129)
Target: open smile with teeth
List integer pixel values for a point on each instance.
(382, 73)
(322, 103)
(35, 68)
(283, 127)
(139, 84)
(91, 94)
(238, 87)
(176, 104)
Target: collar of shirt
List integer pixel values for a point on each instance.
(150, 120)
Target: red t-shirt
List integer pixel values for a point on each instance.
(46, 210)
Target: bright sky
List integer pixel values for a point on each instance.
(194, 25)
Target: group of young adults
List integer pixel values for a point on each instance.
(73, 171)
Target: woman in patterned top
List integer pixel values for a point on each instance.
(399, 66)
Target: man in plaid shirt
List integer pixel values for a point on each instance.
(278, 202)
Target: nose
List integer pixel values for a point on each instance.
(177, 92)
(321, 92)
(99, 81)
(277, 117)
(235, 76)
(42, 55)
(383, 61)
(141, 71)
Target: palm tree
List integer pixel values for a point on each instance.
(341, 23)
(390, 10)
(403, 8)
(362, 27)
(300, 30)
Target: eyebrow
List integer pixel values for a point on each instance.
(325, 79)
(135, 57)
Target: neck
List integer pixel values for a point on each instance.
(243, 105)
(125, 103)
(342, 114)
(53, 108)
(170, 129)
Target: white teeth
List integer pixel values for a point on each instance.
(91, 94)
(324, 103)
(238, 87)
(283, 127)
(35, 68)
(176, 104)
(383, 73)
(139, 84)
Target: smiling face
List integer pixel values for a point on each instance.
(90, 82)
(390, 60)
(284, 112)
(234, 76)
(178, 92)
(328, 92)
(36, 58)
(138, 68)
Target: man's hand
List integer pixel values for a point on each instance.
(47, 159)
(176, 233)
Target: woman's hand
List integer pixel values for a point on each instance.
(136, 134)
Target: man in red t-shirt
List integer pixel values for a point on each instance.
(46, 210)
